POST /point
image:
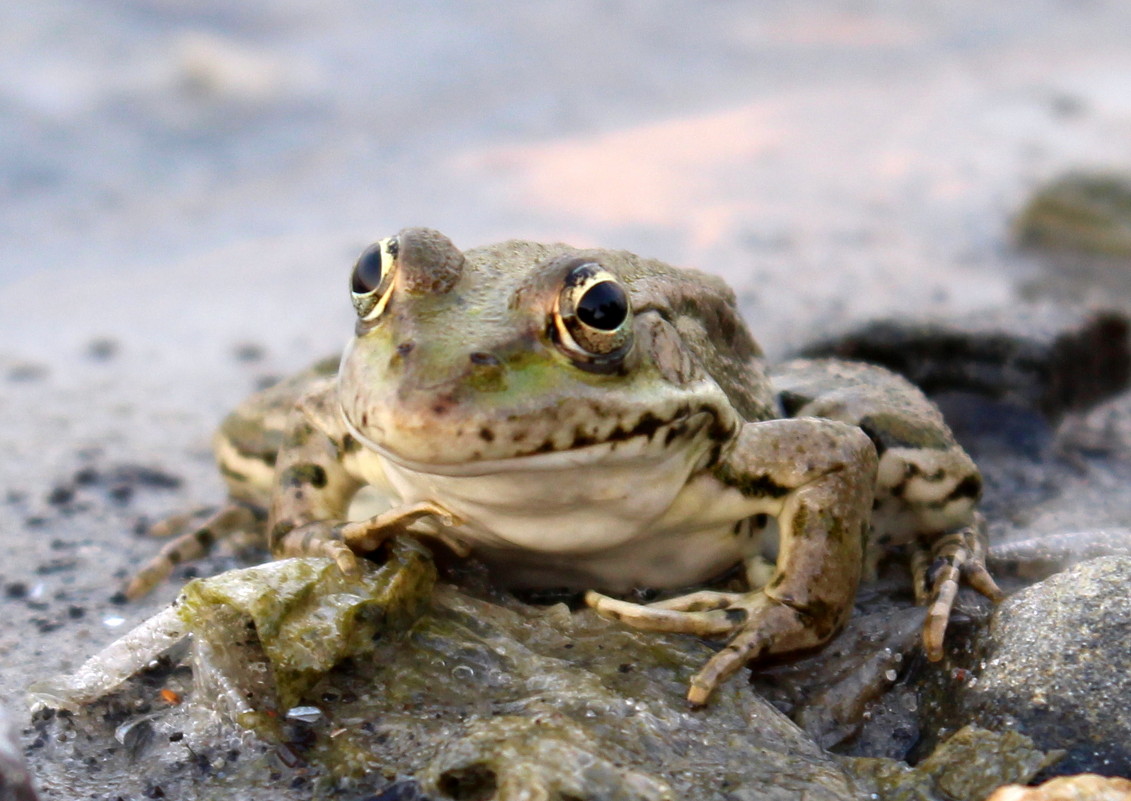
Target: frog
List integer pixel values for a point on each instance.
(598, 421)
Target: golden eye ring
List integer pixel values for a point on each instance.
(592, 321)
(371, 282)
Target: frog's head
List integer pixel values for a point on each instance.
(518, 350)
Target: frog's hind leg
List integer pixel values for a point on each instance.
(237, 523)
(938, 566)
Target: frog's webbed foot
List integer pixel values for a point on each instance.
(343, 542)
(756, 623)
(237, 523)
(938, 569)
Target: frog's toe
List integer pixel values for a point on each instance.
(650, 618)
(978, 577)
(234, 520)
(768, 625)
(957, 556)
(364, 536)
(702, 601)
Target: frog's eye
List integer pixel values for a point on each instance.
(372, 279)
(593, 318)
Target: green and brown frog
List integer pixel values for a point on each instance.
(596, 420)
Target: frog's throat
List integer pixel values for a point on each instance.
(684, 432)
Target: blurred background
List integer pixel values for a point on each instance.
(185, 165)
(184, 187)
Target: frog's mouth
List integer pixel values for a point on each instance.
(648, 440)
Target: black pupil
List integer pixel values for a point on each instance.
(603, 306)
(367, 273)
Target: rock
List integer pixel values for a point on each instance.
(1041, 557)
(466, 692)
(1050, 359)
(1085, 787)
(1057, 667)
(964, 768)
(1086, 212)
(837, 692)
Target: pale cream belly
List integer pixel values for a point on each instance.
(636, 521)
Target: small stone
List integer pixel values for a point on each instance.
(304, 714)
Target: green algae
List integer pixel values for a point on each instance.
(967, 767)
(303, 615)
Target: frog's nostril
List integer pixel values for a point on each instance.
(484, 359)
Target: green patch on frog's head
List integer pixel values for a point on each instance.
(511, 350)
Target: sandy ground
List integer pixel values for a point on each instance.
(184, 185)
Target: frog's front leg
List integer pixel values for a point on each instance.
(314, 485)
(816, 477)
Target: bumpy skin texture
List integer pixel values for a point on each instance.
(595, 420)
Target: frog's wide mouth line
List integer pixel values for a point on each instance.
(677, 433)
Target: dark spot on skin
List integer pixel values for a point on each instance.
(484, 359)
(405, 348)
(761, 520)
(801, 523)
(545, 447)
(299, 435)
(718, 432)
(969, 487)
(895, 431)
(349, 444)
(674, 433)
(174, 557)
(824, 618)
(281, 529)
(235, 475)
(300, 475)
(486, 434)
(647, 425)
(582, 440)
(751, 486)
(205, 537)
(736, 617)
